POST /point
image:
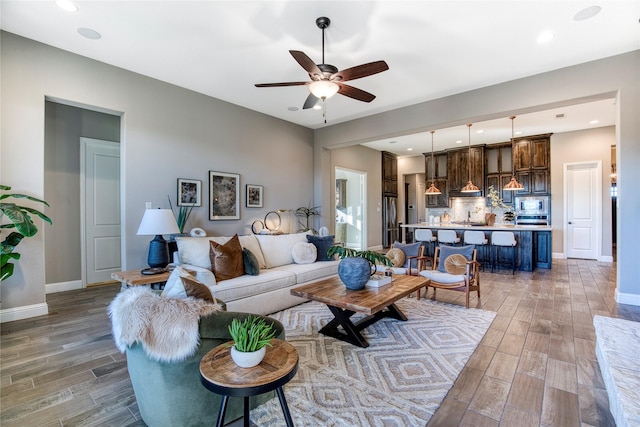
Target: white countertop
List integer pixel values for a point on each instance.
(458, 226)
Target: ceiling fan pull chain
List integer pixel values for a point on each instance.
(324, 110)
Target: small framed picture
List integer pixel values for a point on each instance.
(189, 192)
(254, 196)
(224, 196)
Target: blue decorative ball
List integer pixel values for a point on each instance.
(354, 272)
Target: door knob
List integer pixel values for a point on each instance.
(570, 222)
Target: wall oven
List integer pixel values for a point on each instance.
(532, 210)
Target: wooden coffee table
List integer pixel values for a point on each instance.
(377, 303)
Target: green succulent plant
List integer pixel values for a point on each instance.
(20, 217)
(251, 334)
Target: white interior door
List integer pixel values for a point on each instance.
(100, 201)
(582, 209)
(350, 226)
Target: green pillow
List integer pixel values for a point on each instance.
(445, 251)
(251, 266)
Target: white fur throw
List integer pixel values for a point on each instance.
(166, 328)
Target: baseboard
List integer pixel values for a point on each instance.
(375, 248)
(558, 255)
(51, 288)
(24, 312)
(630, 299)
(606, 258)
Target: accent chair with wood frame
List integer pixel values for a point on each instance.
(455, 269)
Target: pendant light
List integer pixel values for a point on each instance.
(432, 190)
(513, 185)
(469, 188)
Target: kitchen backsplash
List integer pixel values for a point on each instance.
(460, 207)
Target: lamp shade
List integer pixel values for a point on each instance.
(158, 221)
(323, 89)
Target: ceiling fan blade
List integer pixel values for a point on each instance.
(306, 62)
(311, 101)
(360, 71)
(355, 93)
(281, 84)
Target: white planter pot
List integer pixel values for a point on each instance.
(248, 359)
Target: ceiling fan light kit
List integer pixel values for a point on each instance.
(513, 185)
(326, 79)
(470, 187)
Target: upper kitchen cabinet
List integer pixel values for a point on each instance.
(389, 174)
(436, 172)
(499, 169)
(531, 159)
(458, 168)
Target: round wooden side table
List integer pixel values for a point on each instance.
(219, 374)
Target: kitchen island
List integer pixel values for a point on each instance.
(534, 241)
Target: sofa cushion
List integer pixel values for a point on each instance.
(322, 244)
(446, 251)
(195, 250)
(304, 253)
(247, 286)
(226, 260)
(251, 266)
(308, 272)
(277, 249)
(181, 284)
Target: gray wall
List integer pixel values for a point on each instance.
(616, 76)
(64, 125)
(167, 133)
(581, 146)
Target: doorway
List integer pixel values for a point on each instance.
(350, 208)
(583, 207)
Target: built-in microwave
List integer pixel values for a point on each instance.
(532, 205)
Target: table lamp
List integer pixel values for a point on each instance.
(157, 222)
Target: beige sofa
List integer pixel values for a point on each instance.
(267, 292)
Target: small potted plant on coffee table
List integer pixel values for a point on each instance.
(250, 338)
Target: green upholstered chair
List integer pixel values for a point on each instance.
(170, 394)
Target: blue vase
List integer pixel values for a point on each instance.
(354, 272)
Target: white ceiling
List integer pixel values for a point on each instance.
(433, 48)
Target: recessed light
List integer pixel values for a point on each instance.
(518, 132)
(546, 36)
(458, 142)
(480, 131)
(587, 13)
(594, 122)
(67, 5)
(293, 108)
(89, 33)
(409, 149)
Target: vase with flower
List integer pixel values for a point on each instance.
(495, 201)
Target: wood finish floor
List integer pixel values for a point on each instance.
(536, 365)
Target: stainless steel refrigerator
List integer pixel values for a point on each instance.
(390, 230)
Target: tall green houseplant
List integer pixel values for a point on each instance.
(20, 220)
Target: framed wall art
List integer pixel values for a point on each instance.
(224, 192)
(254, 196)
(189, 192)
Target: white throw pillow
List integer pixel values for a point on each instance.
(277, 249)
(304, 253)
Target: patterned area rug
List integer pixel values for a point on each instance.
(399, 380)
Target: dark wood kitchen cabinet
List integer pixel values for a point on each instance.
(499, 169)
(436, 173)
(458, 167)
(531, 160)
(389, 174)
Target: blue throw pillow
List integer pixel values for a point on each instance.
(445, 251)
(322, 244)
(410, 249)
(251, 266)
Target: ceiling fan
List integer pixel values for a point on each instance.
(326, 79)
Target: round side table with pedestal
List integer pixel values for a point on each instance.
(219, 374)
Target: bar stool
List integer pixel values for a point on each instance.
(478, 239)
(426, 236)
(448, 237)
(502, 239)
